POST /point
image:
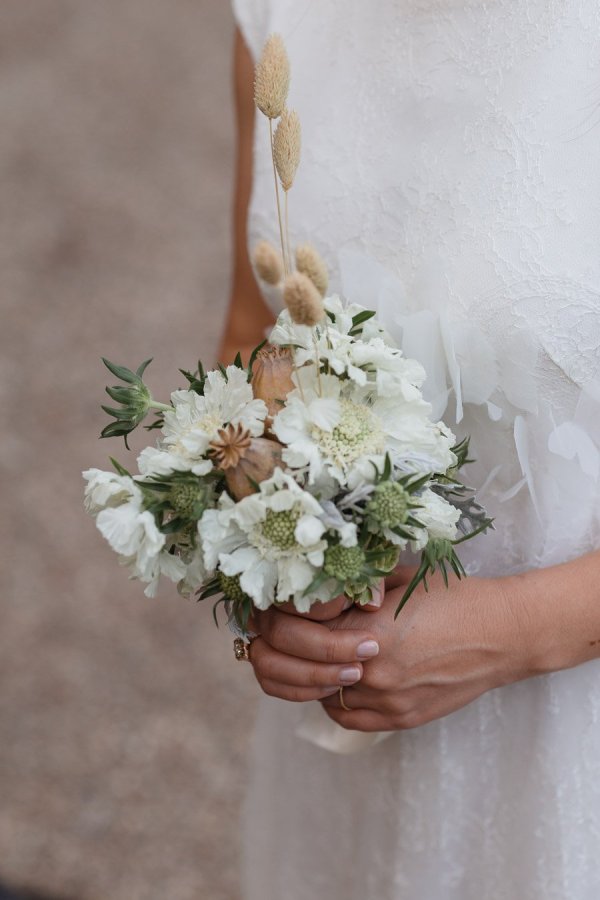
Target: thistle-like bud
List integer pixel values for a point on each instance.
(344, 563)
(303, 300)
(245, 460)
(286, 148)
(134, 398)
(310, 263)
(272, 78)
(390, 505)
(267, 260)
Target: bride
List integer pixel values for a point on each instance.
(450, 178)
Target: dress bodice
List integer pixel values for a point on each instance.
(449, 176)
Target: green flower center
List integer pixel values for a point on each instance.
(389, 505)
(344, 563)
(279, 528)
(230, 586)
(357, 433)
(185, 498)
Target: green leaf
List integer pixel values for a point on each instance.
(121, 372)
(362, 317)
(173, 526)
(142, 368)
(238, 360)
(119, 469)
(319, 579)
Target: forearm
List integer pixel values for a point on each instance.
(560, 610)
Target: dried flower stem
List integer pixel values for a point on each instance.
(283, 248)
(317, 361)
(287, 233)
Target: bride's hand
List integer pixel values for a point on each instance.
(447, 647)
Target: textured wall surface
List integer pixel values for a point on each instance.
(123, 720)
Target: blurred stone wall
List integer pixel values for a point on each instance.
(123, 720)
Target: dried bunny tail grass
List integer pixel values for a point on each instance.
(268, 262)
(303, 300)
(272, 78)
(310, 263)
(286, 147)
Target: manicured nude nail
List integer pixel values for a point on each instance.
(347, 604)
(350, 675)
(367, 649)
(327, 692)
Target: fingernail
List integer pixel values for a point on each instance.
(376, 597)
(327, 692)
(350, 675)
(347, 604)
(367, 649)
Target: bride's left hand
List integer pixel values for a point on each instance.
(447, 647)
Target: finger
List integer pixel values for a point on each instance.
(377, 598)
(295, 693)
(319, 612)
(360, 719)
(271, 665)
(315, 641)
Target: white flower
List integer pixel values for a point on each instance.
(117, 503)
(273, 540)
(438, 517)
(195, 421)
(195, 573)
(330, 426)
(165, 563)
(106, 489)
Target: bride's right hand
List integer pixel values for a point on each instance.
(299, 660)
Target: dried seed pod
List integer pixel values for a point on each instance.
(310, 263)
(272, 78)
(268, 262)
(246, 460)
(286, 147)
(303, 300)
(272, 378)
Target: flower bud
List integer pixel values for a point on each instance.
(272, 78)
(310, 263)
(246, 461)
(268, 263)
(303, 300)
(272, 378)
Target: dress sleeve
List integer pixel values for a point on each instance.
(251, 17)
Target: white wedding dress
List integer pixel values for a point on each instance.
(451, 177)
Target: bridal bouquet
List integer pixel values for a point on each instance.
(304, 474)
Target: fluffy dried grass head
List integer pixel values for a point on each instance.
(286, 147)
(303, 300)
(272, 78)
(268, 262)
(310, 263)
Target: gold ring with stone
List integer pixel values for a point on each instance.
(343, 705)
(241, 648)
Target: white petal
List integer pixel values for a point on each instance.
(308, 530)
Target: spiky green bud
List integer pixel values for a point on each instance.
(344, 563)
(389, 505)
(188, 498)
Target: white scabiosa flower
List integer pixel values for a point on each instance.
(438, 517)
(117, 503)
(273, 540)
(196, 419)
(104, 489)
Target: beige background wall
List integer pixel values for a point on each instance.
(123, 720)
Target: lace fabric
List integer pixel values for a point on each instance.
(450, 179)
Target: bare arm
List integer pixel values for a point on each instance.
(248, 315)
